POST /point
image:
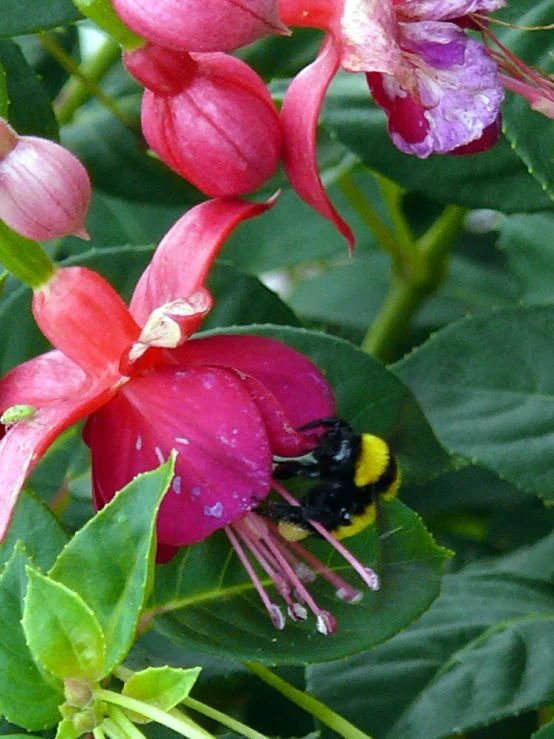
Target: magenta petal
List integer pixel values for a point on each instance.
(26, 442)
(185, 254)
(288, 388)
(41, 380)
(299, 115)
(223, 465)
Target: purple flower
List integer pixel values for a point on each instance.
(440, 89)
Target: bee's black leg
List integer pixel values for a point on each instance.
(307, 470)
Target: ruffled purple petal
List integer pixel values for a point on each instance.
(436, 10)
(288, 388)
(223, 466)
(453, 107)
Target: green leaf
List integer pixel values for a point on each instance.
(527, 242)
(116, 549)
(480, 654)
(63, 633)
(37, 527)
(161, 687)
(210, 603)
(292, 233)
(530, 133)
(66, 730)
(28, 698)
(546, 732)
(486, 383)
(30, 110)
(240, 300)
(495, 179)
(39, 15)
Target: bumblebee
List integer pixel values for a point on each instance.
(355, 472)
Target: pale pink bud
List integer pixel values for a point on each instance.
(209, 25)
(209, 117)
(44, 189)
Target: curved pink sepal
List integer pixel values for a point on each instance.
(223, 466)
(299, 116)
(41, 380)
(83, 316)
(26, 442)
(182, 260)
(288, 389)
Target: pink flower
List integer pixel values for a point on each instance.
(226, 403)
(439, 88)
(209, 117)
(189, 25)
(44, 189)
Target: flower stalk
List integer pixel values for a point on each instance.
(84, 79)
(307, 702)
(413, 283)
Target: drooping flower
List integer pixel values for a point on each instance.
(439, 88)
(189, 25)
(209, 117)
(44, 189)
(226, 403)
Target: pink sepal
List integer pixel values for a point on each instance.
(182, 260)
(288, 389)
(83, 316)
(25, 443)
(41, 380)
(299, 116)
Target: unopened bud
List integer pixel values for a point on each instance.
(209, 117)
(189, 25)
(44, 189)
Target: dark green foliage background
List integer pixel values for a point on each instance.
(467, 406)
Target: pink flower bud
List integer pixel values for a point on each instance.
(209, 117)
(44, 189)
(217, 25)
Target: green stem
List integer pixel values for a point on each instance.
(83, 84)
(126, 726)
(409, 290)
(309, 704)
(392, 195)
(113, 730)
(182, 725)
(98, 733)
(223, 719)
(382, 233)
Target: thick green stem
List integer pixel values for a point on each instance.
(309, 704)
(84, 80)
(409, 290)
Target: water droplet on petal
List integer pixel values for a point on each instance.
(215, 510)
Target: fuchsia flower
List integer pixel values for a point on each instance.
(44, 189)
(226, 403)
(439, 88)
(209, 117)
(189, 25)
